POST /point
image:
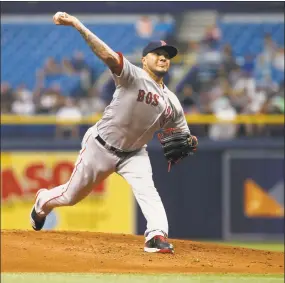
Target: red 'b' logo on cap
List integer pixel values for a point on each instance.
(163, 43)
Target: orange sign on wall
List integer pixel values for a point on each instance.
(258, 203)
(109, 207)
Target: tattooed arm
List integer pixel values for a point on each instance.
(100, 48)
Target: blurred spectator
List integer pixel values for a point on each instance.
(69, 112)
(66, 66)
(163, 30)
(269, 48)
(23, 104)
(248, 65)
(278, 61)
(234, 75)
(190, 57)
(7, 98)
(189, 100)
(49, 100)
(91, 104)
(208, 55)
(51, 67)
(144, 27)
(223, 110)
(217, 89)
(81, 67)
(263, 68)
(78, 62)
(243, 96)
(280, 90)
(48, 71)
(213, 36)
(265, 58)
(199, 77)
(243, 89)
(274, 106)
(72, 74)
(228, 60)
(261, 95)
(267, 85)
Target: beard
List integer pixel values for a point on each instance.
(160, 74)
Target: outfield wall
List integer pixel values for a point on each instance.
(227, 190)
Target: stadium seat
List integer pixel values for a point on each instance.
(25, 47)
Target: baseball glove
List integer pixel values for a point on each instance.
(177, 145)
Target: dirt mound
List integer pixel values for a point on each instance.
(28, 251)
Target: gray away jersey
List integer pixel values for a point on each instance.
(139, 108)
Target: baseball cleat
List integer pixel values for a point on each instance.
(37, 221)
(158, 244)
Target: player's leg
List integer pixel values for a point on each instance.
(137, 171)
(93, 165)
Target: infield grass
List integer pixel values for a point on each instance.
(135, 278)
(278, 247)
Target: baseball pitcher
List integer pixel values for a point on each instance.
(141, 105)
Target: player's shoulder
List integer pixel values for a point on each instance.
(135, 67)
(131, 63)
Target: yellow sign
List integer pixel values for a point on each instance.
(109, 207)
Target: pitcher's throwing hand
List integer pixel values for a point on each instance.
(62, 18)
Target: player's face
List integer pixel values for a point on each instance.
(157, 62)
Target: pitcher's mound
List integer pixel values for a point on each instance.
(29, 251)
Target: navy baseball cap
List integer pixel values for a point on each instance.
(160, 44)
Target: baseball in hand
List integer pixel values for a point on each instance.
(64, 19)
(57, 16)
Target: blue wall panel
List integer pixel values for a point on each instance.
(193, 192)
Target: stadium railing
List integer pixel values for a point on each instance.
(7, 119)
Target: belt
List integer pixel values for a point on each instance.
(109, 147)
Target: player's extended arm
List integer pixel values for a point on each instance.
(100, 48)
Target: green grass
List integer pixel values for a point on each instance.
(134, 278)
(256, 245)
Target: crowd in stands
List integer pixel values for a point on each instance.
(219, 83)
(50, 93)
(214, 82)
